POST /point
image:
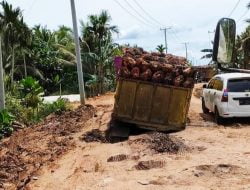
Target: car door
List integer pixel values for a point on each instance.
(207, 93)
(212, 90)
(215, 93)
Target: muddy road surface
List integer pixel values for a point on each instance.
(204, 156)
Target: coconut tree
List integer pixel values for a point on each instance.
(208, 55)
(25, 44)
(97, 35)
(11, 30)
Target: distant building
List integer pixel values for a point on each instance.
(204, 73)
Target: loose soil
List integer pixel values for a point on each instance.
(26, 151)
(159, 143)
(73, 154)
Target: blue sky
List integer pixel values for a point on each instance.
(191, 19)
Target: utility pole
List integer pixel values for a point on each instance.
(2, 93)
(186, 43)
(165, 35)
(78, 54)
(210, 41)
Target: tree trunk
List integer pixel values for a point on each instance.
(2, 93)
(12, 67)
(99, 78)
(25, 66)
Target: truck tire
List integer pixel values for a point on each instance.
(218, 119)
(204, 109)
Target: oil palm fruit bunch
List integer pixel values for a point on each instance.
(167, 69)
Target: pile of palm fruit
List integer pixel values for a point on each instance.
(167, 69)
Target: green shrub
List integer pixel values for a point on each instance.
(6, 119)
(31, 92)
(57, 107)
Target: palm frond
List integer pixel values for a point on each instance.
(207, 50)
(65, 62)
(208, 56)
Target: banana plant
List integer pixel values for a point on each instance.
(31, 92)
(6, 119)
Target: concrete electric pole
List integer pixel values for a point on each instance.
(186, 43)
(165, 35)
(210, 41)
(2, 93)
(78, 54)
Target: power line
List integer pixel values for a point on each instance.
(244, 14)
(175, 35)
(131, 14)
(149, 16)
(31, 6)
(139, 14)
(236, 5)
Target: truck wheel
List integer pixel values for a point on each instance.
(218, 119)
(204, 109)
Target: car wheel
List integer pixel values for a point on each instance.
(218, 119)
(204, 109)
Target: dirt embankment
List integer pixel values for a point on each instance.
(26, 151)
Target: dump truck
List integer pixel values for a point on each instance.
(149, 101)
(164, 107)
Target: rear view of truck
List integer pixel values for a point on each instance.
(153, 90)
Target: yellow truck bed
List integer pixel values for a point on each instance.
(152, 106)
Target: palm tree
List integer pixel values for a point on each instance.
(97, 34)
(25, 43)
(10, 30)
(208, 55)
(161, 48)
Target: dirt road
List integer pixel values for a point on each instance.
(214, 157)
(218, 158)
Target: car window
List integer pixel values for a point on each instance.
(238, 85)
(218, 84)
(210, 84)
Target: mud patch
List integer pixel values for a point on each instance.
(219, 170)
(160, 143)
(94, 136)
(147, 165)
(26, 151)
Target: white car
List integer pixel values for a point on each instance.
(227, 96)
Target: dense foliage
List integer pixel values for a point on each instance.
(38, 61)
(49, 56)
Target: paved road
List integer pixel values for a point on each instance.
(71, 98)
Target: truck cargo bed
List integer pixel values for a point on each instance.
(151, 105)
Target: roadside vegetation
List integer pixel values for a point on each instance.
(38, 62)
